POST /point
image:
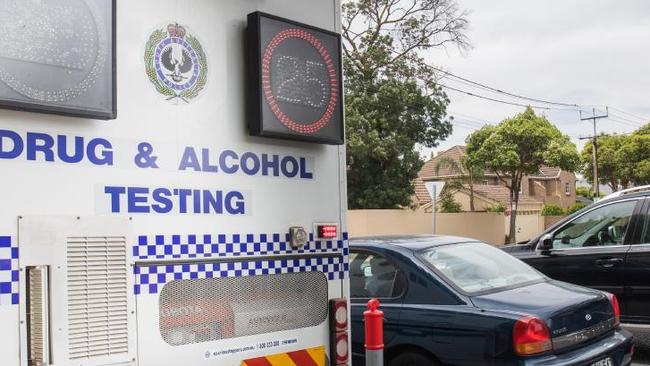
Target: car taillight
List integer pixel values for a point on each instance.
(617, 309)
(530, 336)
(339, 347)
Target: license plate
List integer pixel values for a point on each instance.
(604, 362)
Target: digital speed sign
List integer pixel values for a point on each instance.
(58, 56)
(295, 85)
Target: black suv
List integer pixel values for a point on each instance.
(604, 246)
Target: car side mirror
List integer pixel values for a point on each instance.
(546, 243)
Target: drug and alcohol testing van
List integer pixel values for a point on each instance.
(172, 183)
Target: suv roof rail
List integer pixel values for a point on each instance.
(627, 191)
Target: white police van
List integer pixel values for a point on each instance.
(172, 183)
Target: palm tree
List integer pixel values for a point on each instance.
(468, 172)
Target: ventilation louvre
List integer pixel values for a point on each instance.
(97, 296)
(38, 316)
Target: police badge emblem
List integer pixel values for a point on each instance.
(175, 63)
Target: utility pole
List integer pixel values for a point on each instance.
(594, 141)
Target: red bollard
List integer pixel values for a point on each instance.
(374, 320)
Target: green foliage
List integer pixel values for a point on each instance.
(575, 208)
(634, 157)
(468, 172)
(447, 203)
(622, 159)
(585, 192)
(393, 104)
(610, 169)
(643, 130)
(520, 146)
(498, 207)
(552, 210)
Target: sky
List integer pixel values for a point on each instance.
(593, 53)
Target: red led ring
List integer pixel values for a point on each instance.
(268, 92)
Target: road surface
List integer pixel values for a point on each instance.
(642, 341)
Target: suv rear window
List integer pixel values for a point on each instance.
(478, 267)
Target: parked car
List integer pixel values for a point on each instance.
(451, 300)
(605, 246)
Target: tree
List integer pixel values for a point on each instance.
(468, 172)
(585, 192)
(393, 104)
(634, 157)
(520, 146)
(610, 169)
(446, 202)
(643, 130)
(622, 159)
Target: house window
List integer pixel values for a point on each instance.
(567, 189)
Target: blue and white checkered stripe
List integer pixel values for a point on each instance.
(150, 279)
(9, 271)
(166, 247)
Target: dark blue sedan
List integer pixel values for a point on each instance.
(455, 301)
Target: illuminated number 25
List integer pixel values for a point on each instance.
(300, 82)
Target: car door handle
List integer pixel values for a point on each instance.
(608, 262)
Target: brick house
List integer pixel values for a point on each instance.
(549, 186)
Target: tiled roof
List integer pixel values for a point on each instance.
(455, 153)
(501, 194)
(497, 193)
(547, 172)
(421, 192)
(429, 168)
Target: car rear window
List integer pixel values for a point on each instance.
(478, 267)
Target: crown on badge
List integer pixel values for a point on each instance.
(176, 30)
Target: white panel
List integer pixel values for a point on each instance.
(215, 120)
(154, 351)
(91, 312)
(9, 340)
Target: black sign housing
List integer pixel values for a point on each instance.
(295, 89)
(68, 70)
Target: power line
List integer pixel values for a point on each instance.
(493, 99)
(462, 80)
(467, 123)
(604, 135)
(623, 122)
(471, 118)
(504, 92)
(630, 122)
(466, 127)
(644, 119)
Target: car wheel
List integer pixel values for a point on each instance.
(412, 359)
